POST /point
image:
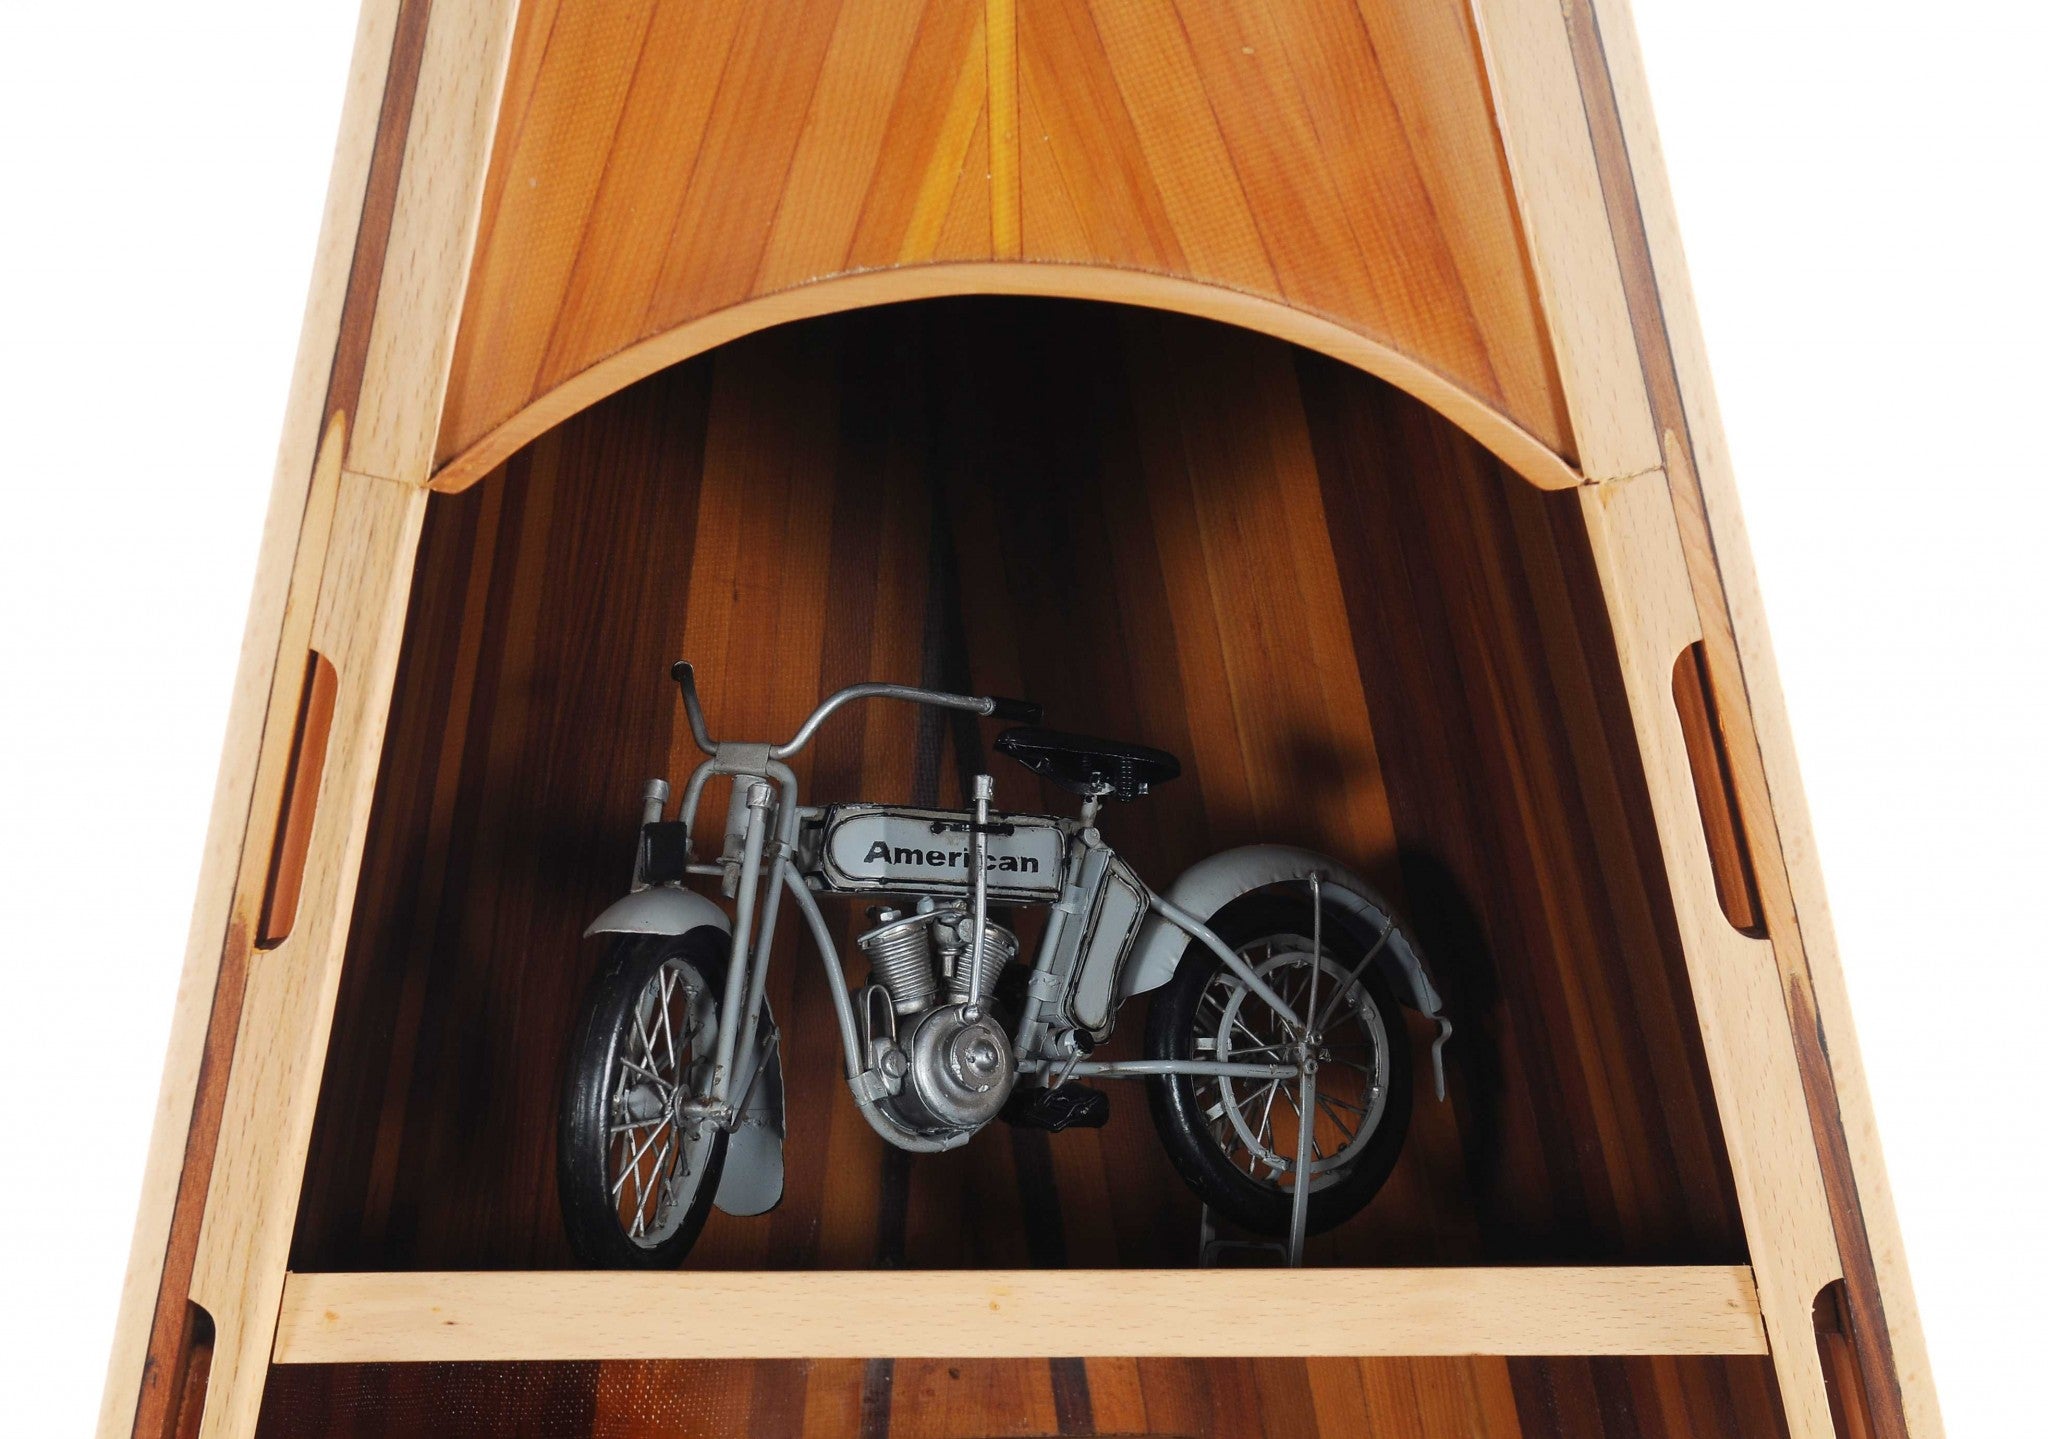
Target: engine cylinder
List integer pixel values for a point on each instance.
(953, 937)
(900, 952)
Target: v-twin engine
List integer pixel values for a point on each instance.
(948, 1060)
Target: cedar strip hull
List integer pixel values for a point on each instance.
(1358, 631)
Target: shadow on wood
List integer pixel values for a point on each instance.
(1359, 632)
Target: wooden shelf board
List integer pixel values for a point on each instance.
(1008, 1313)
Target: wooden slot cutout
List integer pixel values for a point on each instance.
(1841, 1365)
(187, 1406)
(301, 797)
(1706, 748)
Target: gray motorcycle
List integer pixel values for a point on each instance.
(1276, 1051)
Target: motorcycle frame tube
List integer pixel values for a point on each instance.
(1193, 928)
(737, 973)
(1145, 1068)
(764, 938)
(756, 907)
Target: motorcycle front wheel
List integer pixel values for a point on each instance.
(636, 1177)
(1234, 1139)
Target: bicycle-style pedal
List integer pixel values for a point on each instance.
(1071, 1106)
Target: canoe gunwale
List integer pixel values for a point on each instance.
(1507, 440)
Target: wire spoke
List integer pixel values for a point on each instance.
(1337, 1120)
(647, 1074)
(639, 1153)
(668, 1033)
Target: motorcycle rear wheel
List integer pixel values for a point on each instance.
(635, 1179)
(1233, 1140)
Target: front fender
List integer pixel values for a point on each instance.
(660, 909)
(752, 1181)
(1210, 884)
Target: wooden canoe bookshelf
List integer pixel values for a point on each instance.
(1310, 389)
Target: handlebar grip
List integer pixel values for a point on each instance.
(1016, 711)
(685, 676)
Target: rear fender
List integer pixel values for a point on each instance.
(1207, 886)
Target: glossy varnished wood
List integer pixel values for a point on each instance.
(1466, 203)
(1879, 1322)
(656, 164)
(1359, 631)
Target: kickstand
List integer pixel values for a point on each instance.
(1214, 1247)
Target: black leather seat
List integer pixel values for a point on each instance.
(1086, 766)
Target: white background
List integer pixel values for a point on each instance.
(1860, 191)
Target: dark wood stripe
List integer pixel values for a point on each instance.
(166, 1366)
(380, 204)
(1867, 1323)
(1133, 519)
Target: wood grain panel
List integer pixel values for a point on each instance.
(1670, 1398)
(1009, 1313)
(1358, 630)
(1881, 1318)
(656, 163)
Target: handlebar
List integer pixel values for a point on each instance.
(1014, 710)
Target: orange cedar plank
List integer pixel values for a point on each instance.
(1493, 1395)
(972, 1399)
(546, 183)
(523, 68)
(932, 126)
(1377, 183)
(1116, 1397)
(1515, 681)
(1050, 226)
(841, 143)
(832, 1391)
(1240, 57)
(1338, 1397)
(1442, 1396)
(1210, 728)
(647, 173)
(964, 235)
(1182, 146)
(1389, 1394)
(745, 154)
(1085, 157)
(1446, 118)
(715, 249)
(1287, 662)
(1286, 1399)
(1592, 778)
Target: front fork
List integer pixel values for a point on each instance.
(767, 830)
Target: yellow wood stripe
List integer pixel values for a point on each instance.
(956, 135)
(1006, 226)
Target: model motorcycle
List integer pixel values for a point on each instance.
(1275, 1049)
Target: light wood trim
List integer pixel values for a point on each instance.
(1025, 1313)
(1514, 446)
(333, 542)
(256, 670)
(1766, 704)
(281, 1042)
(1744, 1027)
(1564, 216)
(433, 230)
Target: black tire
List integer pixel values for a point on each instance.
(593, 1099)
(1204, 1160)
